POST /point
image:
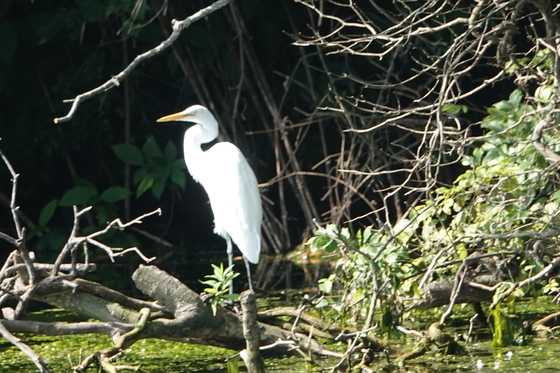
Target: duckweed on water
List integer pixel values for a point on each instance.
(153, 355)
(158, 356)
(171, 357)
(538, 357)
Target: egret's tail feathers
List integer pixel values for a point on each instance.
(250, 246)
(252, 257)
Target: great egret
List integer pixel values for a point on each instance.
(229, 182)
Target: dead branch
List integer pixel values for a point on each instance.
(436, 338)
(537, 136)
(316, 325)
(178, 27)
(475, 281)
(23, 279)
(407, 132)
(547, 322)
(252, 357)
(20, 241)
(194, 322)
(39, 363)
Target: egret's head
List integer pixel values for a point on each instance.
(195, 113)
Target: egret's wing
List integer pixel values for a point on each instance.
(234, 195)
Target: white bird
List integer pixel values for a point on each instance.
(229, 181)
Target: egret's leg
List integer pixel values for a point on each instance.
(229, 251)
(248, 273)
(230, 258)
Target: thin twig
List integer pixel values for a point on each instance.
(39, 363)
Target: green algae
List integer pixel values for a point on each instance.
(159, 356)
(152, 355)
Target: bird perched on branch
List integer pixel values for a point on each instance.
(229, 182)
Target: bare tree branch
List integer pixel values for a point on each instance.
(178, 27)
(39, 363)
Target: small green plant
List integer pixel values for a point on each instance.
(219, 284)
(371, 263)
(83, 194)
(157, 169)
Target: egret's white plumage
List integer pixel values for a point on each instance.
(229, 181)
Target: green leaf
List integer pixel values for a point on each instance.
(503, 106)
(493, 114)
(323, 302)
(79, 195)
(129, 153)
(495, 126)
(492, 154)
(140, 175)
(158, 188)
(211, 283)
(454, 109)
(515, 97)
(105, 214)
(170, 152)
(151, 149)
(326, 284)
(544, 93)
(114, 194)
(555, 195)
(47, 212)
(233, 297)
(144, 185)
(212, 290)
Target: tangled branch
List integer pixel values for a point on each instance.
(178, 27)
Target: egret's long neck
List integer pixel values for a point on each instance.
(195, 136)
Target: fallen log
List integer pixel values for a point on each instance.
(194, 322)
(474, 282)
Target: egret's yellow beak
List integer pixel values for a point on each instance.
(172, 117)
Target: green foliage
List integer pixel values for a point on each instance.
(157, 170)
(79, 196)
(507, 187)
(454, 109)
(219, 284)
(326, 284)
(129, 153)
(543, 59)
(370, 260)
(114, 194)
(325, 238)
(84, 194)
